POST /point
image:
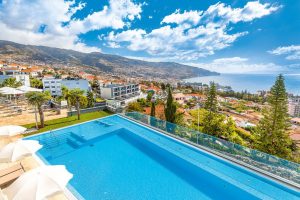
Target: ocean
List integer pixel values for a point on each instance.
(251, 82)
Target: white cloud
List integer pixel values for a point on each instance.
(113, 45)
(117, 15)
(195, 33)
(237, 65)
(292, 52)
(20, 21)
(178, 18)
(252, 10)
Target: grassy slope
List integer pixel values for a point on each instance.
(67, 121)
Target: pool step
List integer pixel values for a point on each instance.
(73, 143)
(58, 139)
(78, 138)
(76, 141)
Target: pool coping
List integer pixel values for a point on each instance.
(226, 158)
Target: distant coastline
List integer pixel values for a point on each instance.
(251, 82)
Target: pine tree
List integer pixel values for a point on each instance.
(152, 109)
(211, 103)
(163, 87)
(170, 109)
(90, 99)
(273, 129)
(212, 122)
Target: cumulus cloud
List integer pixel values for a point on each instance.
(189, 35)
(252, 10)
(237, 65)
(292, 52)
(22, 20)
(117, 15)
(178, 18)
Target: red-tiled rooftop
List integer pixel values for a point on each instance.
(295, 136)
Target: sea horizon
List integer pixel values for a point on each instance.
(251, 82)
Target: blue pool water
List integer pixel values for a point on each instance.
(114, 158)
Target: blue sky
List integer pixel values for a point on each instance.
(234, 36)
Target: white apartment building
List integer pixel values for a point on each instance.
(76, 83)
(294, 106)
(53, 85)
(119, 91)
(13, 72)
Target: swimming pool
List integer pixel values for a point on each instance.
(116, 158)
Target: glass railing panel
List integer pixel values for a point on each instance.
(269, 163)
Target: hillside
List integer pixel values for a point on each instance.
(107, 63)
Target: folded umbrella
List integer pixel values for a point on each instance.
(17, 150)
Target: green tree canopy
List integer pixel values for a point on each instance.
(95, 85)
(38, 99)
(152, 109)
(90, 99)
(36, 83)
(11, 82)
(134, 106)
(77, 99)
(150, 95)
(211, 103)
(273, 128)
(170, 109)
(163, 86)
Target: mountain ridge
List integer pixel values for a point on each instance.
(107, 63)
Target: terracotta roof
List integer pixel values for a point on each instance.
(178, 95)
(90, 77)
(35, 68)
(27, 70)
(295, 136)
(9, 68)
(159, 111)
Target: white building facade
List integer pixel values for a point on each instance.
(119, 91)
(52, 85)
(6, 73)
(81, 84)
(294, 106)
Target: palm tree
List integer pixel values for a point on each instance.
(37, 99)
(11, 82)
(66, 94)
(75, 96)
